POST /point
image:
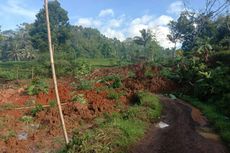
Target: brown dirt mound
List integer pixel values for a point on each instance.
(64, 93)
(155, 84)
(97, 73)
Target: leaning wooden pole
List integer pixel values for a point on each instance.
(53, 71)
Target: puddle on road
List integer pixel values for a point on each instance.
(208, 133)
(162, 125)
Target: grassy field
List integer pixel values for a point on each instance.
(27, 69)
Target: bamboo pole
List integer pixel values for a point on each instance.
(54, 73)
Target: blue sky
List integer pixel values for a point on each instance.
(114, 18)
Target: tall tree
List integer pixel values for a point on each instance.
(146, 36)
(59, 23)
(17, 44)
(149, 43)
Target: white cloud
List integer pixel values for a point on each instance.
(163, 20)
(176, 8)
(142, 20)
(106, 12)
(112, 33)
(88, 22)
(157, 25)
(18, 8)
(115, 23)
(123, 27)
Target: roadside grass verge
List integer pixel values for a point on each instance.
(117, 131)
(220, 122)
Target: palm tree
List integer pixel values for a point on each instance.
(146, 36)
(15, 53)
(205, 49)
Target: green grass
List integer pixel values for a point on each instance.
(116, 132)
(100, 62)
(7, 106)
(26, 119)
(85, 85)
(220, 122)
(7, 135)
(23, 69)
(115, 79)
(113, 95)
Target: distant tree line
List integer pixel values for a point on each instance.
(29, 41)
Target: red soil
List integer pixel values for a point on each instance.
(48, 135)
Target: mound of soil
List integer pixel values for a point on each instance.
(155, 84)
(44, 133)
(97, 73)
(64, 89)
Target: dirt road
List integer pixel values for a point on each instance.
(181, 135)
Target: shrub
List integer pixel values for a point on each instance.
(63, 67)
(148, 72)
(168, 73)
(113, 95)
(38, 108)
(7, 75)
(26, 119)
(37, 86)
(82, 68)
(85, 85)
(53, 103)
(131, 74)
(116, 81)
(79, 98)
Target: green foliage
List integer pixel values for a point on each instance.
(7, 106)
(38, 86)
(131, 74)
(131, 130)
(85, 85)
(201, 31)
(63, 67)
(38, 108)
(149, 100)
(167, 72)
(82, 68)
(148, 72)
(116, 81)
(80, 98)
(53, 103)
(113, 95)
(221, 56)
(205, 81)
(60, 28)
(7, 75)
(26, 119)
(9, 134)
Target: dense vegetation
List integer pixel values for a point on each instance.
(29, 41)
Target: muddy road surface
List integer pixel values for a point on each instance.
(183, 135)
